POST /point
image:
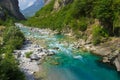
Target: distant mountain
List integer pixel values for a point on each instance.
(30, 11)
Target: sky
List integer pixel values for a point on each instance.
(25, 3)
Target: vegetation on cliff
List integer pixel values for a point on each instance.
(11, 39)
(78, 15)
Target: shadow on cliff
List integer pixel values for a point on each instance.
(13, 7)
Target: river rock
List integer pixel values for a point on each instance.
(51, 53)
(41, 54)
(34, 57)
(39, 50)
(56, 48)
(106, 59)
(19, 54)
(117, 62)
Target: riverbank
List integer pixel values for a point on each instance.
(36, 40)
(108, 50)
(33, 52)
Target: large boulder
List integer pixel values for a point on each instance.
(117, 62)
(34, 57)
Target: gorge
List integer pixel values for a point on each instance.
(64, 40)
(86, 21)
(68, 62)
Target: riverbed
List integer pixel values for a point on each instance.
(69, 63)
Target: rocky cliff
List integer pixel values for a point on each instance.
(58, 3)
(109, 51)
(61, 3)
(12, 7)
(46, 1)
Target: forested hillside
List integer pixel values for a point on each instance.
(80, 28)
(10, 39)
(79, 15)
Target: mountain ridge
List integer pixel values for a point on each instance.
(30, 11)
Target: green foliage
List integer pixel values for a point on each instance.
(107, 11)
(82, 24)
(77, 14)
(81, 8)
(9, 69)
(13, 37)
(103, 11)
(45, 10)
(9, 19)
(28, 54)
(98, 33)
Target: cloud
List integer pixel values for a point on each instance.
(31, 3)
(25, 3)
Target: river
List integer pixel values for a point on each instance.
(69, 63)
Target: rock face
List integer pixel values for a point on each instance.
(117, 62)
(58, 3)
(61, 3)
(12, 7)
(46, 1)
(109, 51)
(2, 14)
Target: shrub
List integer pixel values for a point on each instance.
(72, 15)
(98, 32)
(28, 54)
(82, 24)
(13, 36)
(9, 69)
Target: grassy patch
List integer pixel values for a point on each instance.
(28, 54)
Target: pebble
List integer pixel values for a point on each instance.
(31, 65)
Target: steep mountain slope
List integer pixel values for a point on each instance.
(71, 13)
(10, 39)
(12, 7)
(46, 1)
(30, 11)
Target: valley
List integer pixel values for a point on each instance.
(64, 59)
(60, 40)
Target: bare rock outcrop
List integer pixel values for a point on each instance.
(109, 50)
(46, 1)
(61, 3)
(117, 62)
(2, 14)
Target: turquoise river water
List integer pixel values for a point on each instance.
(70, 63)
